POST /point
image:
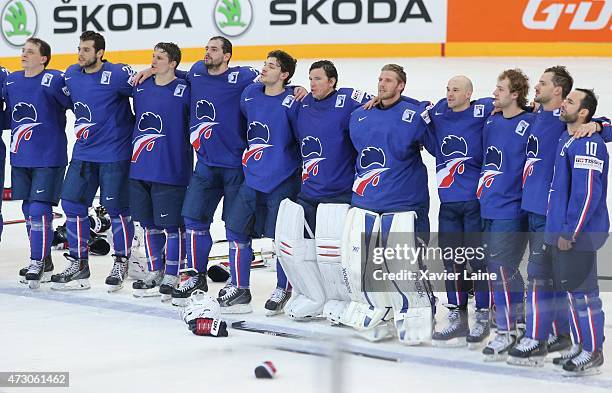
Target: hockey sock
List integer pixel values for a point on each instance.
(590, 317)
(508, 296)
(77, 228)
(240, 257)
(175, 249)
(123, 230)
(539, 309)
(154, 240)
(560, 324)
(41, 231)
(199, 243)
(455, 292)
(281, 278)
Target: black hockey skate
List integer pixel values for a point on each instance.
(168, 284)
(559, 343)
(528, 352)
(498, 348)
(47, 271)
(480, 330)
(194, 281)
(149, 286)
(75, 276)
(236, 301)
(118, 273)
(567, 355)
(586, 363)
(276, 303)
(455, 333)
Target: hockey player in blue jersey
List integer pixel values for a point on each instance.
(577, 226)
(328, 161)
(37, 100)
(271, 169)
(161, 166)
(505, 136)
(455, 139)
(100, 91)
(3, 74)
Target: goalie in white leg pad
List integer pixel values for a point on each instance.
(297, 257)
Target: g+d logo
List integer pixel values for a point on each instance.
(19, 22)
(233, 17)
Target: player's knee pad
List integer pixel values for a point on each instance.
(328, 242)
(196, 225)
(74, 209)
(297, 257)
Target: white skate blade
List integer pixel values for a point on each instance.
(165, 298)
(535, 361)
(22, 280)
(179, 301)
(271, 313)
(72, 285)
(456, 342)
(586, 373)
(114, 288)
(237, 309)
(476, 346)
(46, 277)
(151, 292)
(34, 284)
(498, 357)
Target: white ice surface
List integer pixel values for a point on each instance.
(117, 343)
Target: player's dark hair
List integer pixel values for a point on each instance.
(97, 38)
(286, 63)
(172, 50)
(519, 83)
(43, 47)
(226, 45)
(589, 102)
(561, 78)
(328, 67)
(398, 69)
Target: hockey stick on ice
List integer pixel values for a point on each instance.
(22, 220)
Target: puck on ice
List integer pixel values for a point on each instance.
(265, 370)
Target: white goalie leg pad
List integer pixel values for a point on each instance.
(297, 256)
(367, 309)
(412, 313)
(330, 225)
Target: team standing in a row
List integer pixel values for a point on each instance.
(259, 141)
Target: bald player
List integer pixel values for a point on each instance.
(455, 139)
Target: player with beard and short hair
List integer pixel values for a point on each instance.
(577, 225)
(100, 91)
(37, 99)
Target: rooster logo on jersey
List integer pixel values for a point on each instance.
(206, 114)
(372, 160)
(452, 145)
(151, 124)
(82, 113)
(311, 154)
(258, 136)
(23, 112)
(532, 156)
(493, 163)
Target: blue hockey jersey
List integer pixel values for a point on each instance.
(217, 126)
(272, 153)
(328, 156)
(160, 142)
(104, 118)
(500, 183)
(4, 123)
(577, 207)
(37, 109)
(455, 139)
(390, 175)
